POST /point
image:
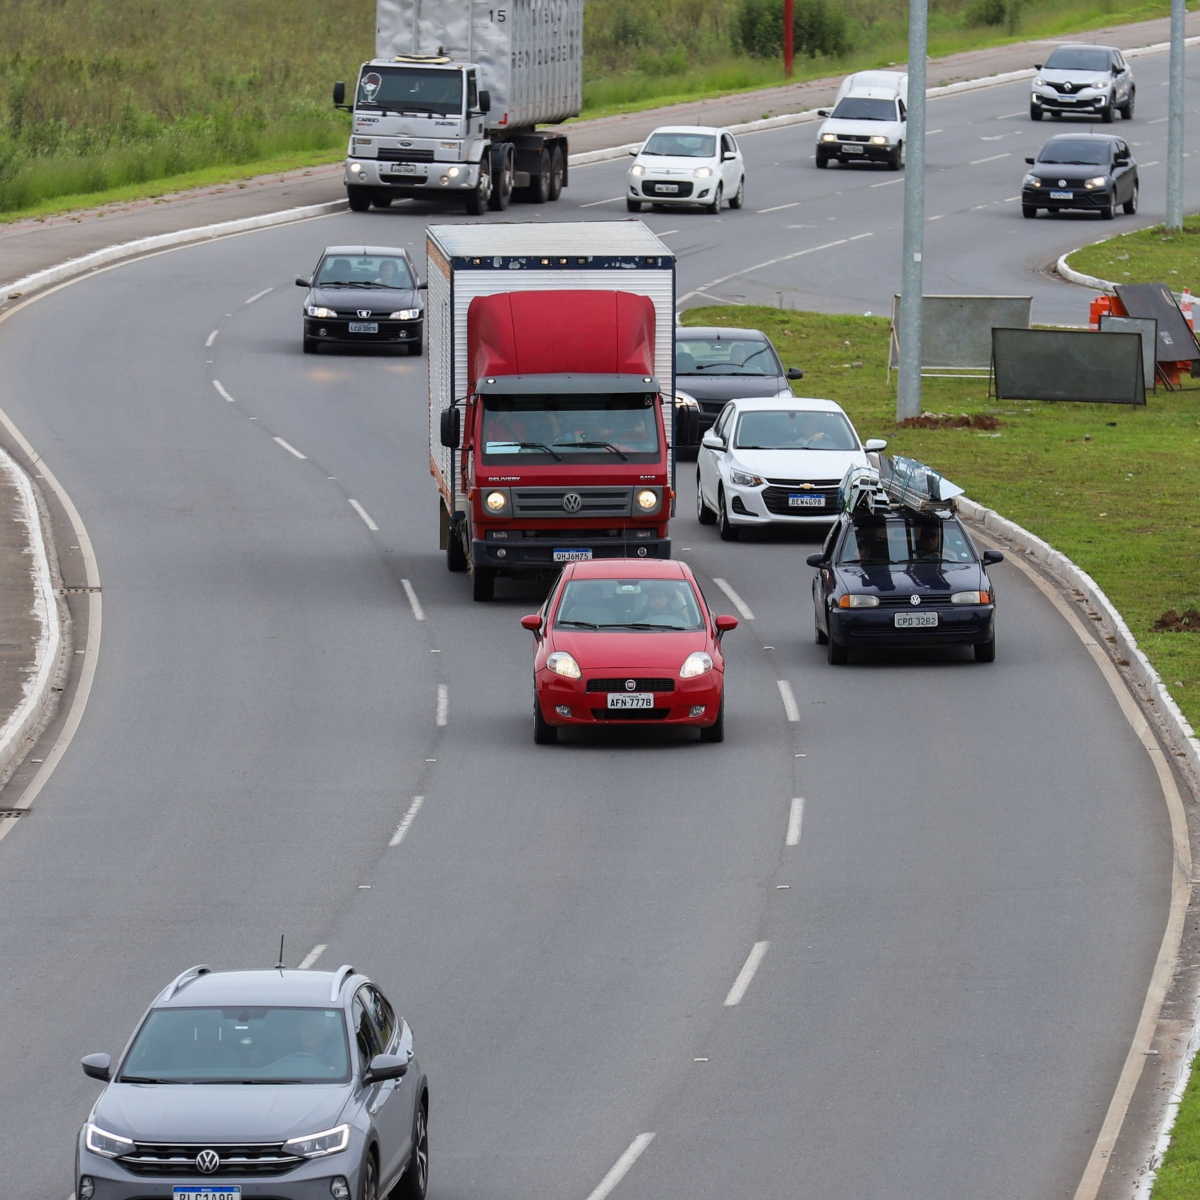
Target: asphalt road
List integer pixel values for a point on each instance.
(956, 946)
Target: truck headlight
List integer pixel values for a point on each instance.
(637, 170)
(109, 1145)
(561, 663)
(703, 172)
(356, 168)
(857, 601)
(454, 172)
(647, 500)
(496, 501)
(315, 310)
(696, 663)
(317, 1145)
(405, 314)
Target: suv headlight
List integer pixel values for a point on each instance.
(696, 663)
(879, 140)
(1099, 181)
(405, 314)
(829, 137)
(703, 172)
(110, 1145)
(317, 1145)
(1032, 181)
(637, 170)
(1038, 81)
(561, 663)
(744, 478)
(315, 310)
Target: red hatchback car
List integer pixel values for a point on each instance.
(625, 641)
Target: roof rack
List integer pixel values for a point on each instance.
(897, 482)
(340, 976)
(188, 976)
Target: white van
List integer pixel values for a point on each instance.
(867, 123)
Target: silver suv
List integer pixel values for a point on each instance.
(300, 1085)
(1083, 79)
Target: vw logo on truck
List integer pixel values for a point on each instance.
(572, 502)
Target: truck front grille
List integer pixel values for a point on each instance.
(566, 503)
(395, 154)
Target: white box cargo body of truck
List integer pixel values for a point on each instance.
(465, 261)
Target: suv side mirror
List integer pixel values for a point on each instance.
(1037, 66)
(422, 287)
(1029, 161)
(339, 93)
(97, 1066)
(302, 282)
(822, 112)
(795, 373)
(385, 1066)
(451, 430)
(991, 557)
(815, 560)
(485, 102)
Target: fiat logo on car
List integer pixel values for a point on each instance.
(572, 502)
(631, 685)
(914, 599)
(207, 1161)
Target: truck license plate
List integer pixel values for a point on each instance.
(407, 168)
(800, 501)
(572, 555)
(1061, 195)
(923, 620)
(364, 327)
(630, 699)
(852, 149)
(211, 1191)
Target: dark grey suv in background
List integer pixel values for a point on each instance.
(293, 1085)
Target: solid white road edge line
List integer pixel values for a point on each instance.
(409, 818)
(212, 337)
(443, 703)
(795, 817)
(291, 449)
(736, 600)
(258, 295)
(621, 1167)
(789, 700)
(222, 392)
(362, 512)
(410, 592)
(312, 956)
(746, 974)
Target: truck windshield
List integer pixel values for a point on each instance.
(411, 90)
(861, 108)
(589, 428)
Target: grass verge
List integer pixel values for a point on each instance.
(1147, 256)
(1112, 487)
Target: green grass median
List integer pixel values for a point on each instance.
(1154, 255)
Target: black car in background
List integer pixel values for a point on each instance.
(715, 365)
(363, 296)
(903, 579)
(1090, 171)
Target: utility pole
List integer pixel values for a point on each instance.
(1175, 119)
(912, 277)
(789, 36)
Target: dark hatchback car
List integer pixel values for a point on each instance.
(293, 1085)
(363, 296)
(1090, 171)
(717, 365)
(903, 579)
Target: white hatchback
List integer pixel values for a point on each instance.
(776, 461)
(687, 164)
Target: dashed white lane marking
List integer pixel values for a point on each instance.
(931, 132)
(291, 449)
(443, 704)
(610, 200)
(621, 1167)
(1150, 164)
(410, 592)
(736, 600)
(258, 295)
(795, 817)
(222, 392)
(991, 158)
(409, 818)
(789, 700)
(312, 956)
(780, 207)
(212, 337)
(887, 182)
(1158, 120)
(362, 512)
(746, 974)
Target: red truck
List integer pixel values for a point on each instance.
(550, 352)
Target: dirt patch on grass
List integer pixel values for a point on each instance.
(1173, 621)
(950, 421)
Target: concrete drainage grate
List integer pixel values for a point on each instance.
(77, 591)
(7, 814)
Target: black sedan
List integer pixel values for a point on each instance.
(363, 296)
(903, 579)
(717, 365)
(1090, 171)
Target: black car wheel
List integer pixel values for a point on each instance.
(382, 200)
(633, 205)
(727, 531)
(704, 514)
(1110, 209)
(310, 345)
(1126, 109)
(359, 198)
(369, 1188)
(822, 160)
(715, 206)
(739, 197)
(716, 731)
(1131, 204)
(822, 636)
(836, 654)
(414, 1183)
(544, 734)
(1029, 210)
(483, 583)
(986, 651)
(1107, 114)
(1035, 113)
(896, 161)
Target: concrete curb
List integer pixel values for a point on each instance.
(37, 690)
(1180, 735)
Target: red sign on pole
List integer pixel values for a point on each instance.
(789, 47)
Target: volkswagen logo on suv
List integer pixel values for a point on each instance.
(572, 502)
(207, 1161)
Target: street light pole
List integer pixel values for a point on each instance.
(908, 396)
(1175, 119)
(789, 36)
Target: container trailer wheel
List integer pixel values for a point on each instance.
(538, 191)
(558, 171)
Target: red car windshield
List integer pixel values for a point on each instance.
(629, 604)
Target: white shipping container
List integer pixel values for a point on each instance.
(465, 261)
(530, 51)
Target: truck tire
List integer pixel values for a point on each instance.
(381, 199)
(544, 734)
(502, 178)
(558, 171)
(456, 558)
(359, 198)
(483, 583)
(479, 196)
(538, 191)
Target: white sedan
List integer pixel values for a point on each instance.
(776, 462)
(687, 164)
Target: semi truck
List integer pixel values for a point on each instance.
(449, 106)
(550, 349)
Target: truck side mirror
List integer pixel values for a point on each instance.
(451, 430)
(485, 102)
(339, 93)
(687, 426)
(97, 1066)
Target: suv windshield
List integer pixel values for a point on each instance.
(1077, 58)
(1066, 151)
(900, 540)
(239, 1045)
(629, 604)
(860, 108)
(682, 145)
(589, 427)
(697, 356)
(794, 431)
(365, 271)
(411, 90)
